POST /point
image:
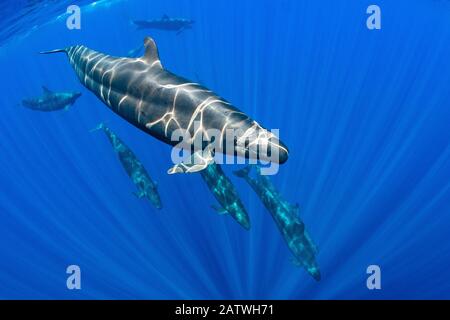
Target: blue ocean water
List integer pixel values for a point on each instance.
(365, 114)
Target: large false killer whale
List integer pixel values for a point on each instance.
(161, 103)
(286, 218)
(51, 101)
(165, 23)
(146, 187)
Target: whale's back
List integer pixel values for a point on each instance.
(159, 102)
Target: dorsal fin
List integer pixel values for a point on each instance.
(151, 55)
(46, 90)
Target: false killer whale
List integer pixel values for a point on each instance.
(221, 187)
(147, 188)
(226, 194)
(165, 23)
(51, 101)
(286, 218)
(161, 103)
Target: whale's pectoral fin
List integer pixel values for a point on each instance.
(296, 262)
(46, 90)
(313, 245)
(315, 248)
(194, 164)
(199, 161)
(151, 55)
(219, 210)
(100, 126)
(139, 194)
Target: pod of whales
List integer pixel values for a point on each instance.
(161, 103)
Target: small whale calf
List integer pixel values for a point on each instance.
(285, 216)
(165, 23)
(146, 188)
(51, 101)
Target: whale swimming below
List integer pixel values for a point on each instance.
(51, 101)
(161, 103)
(146, 187)
(286, 218)
(226, 194)
(165, 23)
(222, 188)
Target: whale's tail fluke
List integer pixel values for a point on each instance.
(100, 126)
(53, 51)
